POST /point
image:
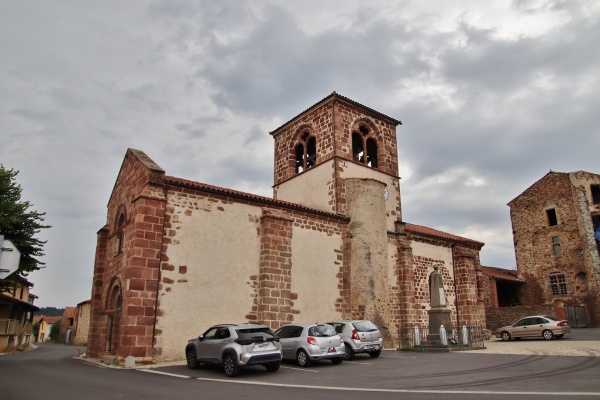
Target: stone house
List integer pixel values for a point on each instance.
(67, 321)
(553, 222)
(44, 326)
(176, 256)
(81, 325)
(16, 314)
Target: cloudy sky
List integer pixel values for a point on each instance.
(491, 95)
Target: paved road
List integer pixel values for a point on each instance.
(53, 372)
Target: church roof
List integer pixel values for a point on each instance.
(502, 273)
(336, 96)
(249, 197)
(434, 233)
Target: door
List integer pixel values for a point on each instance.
(576, 316)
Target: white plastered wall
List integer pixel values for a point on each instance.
(310, 188)
(220, 249)
(314, 275)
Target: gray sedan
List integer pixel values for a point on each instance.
(306, 343)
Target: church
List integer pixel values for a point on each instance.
(177, 256)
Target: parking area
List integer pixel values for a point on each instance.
(502, 366)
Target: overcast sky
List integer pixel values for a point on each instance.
(491, 95)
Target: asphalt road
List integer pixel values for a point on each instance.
(53, 371)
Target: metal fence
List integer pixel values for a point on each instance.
(464, 337)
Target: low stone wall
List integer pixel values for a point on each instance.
(502, 316)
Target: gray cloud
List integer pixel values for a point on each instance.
(491, 98)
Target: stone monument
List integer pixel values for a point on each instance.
(439, 314)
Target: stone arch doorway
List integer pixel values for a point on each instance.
(114, 302)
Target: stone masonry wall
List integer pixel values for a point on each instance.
(533, 235)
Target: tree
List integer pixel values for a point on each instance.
(54, 331)
(20, 225)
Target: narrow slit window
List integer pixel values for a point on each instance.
(552, 220)
(556, 245)
(595, 189)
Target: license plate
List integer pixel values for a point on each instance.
(369, 347)
(264, 346)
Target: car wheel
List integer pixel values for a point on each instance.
(547, 334)
(375, 353)
(230, 366)
(348, 353)
(190, 355)
(505, 336)
(337, 360)
(559, 336)
(302, 358)
(272, 367)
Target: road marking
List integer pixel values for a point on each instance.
(300, 369)
(431, 391)
(165, 373)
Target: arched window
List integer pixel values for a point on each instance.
(305, 152)
(364, 147)
(120, 231)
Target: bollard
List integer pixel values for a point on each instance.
(417, 336)
(443, 337)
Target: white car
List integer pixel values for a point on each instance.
(306, 343)
(359, 336)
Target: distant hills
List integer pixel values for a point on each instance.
(50, 311)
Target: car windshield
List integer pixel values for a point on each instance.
(551, 318)
(365, 326)
(253, 333)
(321, 330)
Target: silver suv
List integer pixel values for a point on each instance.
(234, 346)
(359, 336)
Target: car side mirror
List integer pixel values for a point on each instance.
(200, 338)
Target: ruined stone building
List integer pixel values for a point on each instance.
(554, 221)
(176, 256)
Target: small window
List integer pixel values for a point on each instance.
(551, 213)
(556, 245)
(558, 284)
(595, 189)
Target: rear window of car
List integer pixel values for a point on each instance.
(365, 326)
(321, 330)
(551, 318)
(253, 333)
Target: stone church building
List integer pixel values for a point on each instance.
(176, 256)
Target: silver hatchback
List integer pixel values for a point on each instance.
(359, 336)
(306, 343)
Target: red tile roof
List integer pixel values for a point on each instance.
(502, 273)
(248, 196)
(70, 311)
(334, 95)
(434, 233)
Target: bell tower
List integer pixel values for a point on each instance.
(341, 157)
(334, 140)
